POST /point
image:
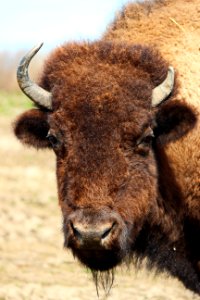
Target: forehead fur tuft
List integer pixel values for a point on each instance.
(102, 70)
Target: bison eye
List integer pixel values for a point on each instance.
(146, 137)
(53, 140)
(144, 142)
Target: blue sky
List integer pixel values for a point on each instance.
(24, 23)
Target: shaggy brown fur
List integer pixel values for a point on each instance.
(172, 26)
(114, 177)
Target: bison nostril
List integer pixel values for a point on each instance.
(75, 231)
(107, 231)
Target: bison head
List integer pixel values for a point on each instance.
(101, 108)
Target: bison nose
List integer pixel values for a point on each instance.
(90, 237)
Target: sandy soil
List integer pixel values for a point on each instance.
(33, 263)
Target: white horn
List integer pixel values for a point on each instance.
(162, 91)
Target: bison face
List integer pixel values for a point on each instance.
(107, 178)
(101, 125)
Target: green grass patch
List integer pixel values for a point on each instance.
(13, 103)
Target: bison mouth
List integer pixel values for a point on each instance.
(99, 260)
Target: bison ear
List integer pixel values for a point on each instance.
(173, 120)
(31, 128)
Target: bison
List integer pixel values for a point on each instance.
(109, 111)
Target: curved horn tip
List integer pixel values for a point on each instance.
(162, 91)
(34, 50)
(171, 72)
(28, 57)
(38, 47)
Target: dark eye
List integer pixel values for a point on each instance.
(144, 142)
(53, 140)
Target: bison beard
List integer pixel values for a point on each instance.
(109, 111)
(101, 262)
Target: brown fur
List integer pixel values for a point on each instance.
(109, 168)
(173, 27)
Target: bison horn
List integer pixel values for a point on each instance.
(162, 91)
(29, 88)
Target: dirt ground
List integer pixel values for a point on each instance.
(33, 263)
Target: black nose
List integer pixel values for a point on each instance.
(90, 236)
